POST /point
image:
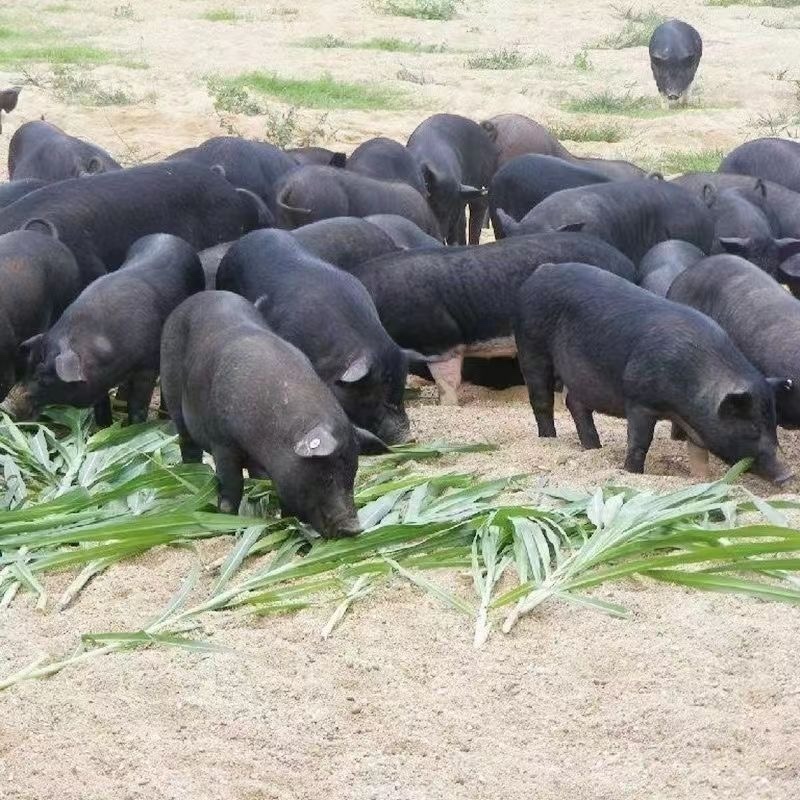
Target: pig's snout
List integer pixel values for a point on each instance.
(772, 469)
(673, 96)
(343, 529)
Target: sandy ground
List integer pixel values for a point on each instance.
(694, 696)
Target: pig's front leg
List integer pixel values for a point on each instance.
(140, 393)
(698, 461)
(447, 375)
(102, 412)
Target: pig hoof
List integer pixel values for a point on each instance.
(448, 398)
(225, 506)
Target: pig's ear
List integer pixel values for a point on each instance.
(709, 195)
(218, 169)
(262, 304)
(41, 225)
(781, 385)
(508, 225)
(572, 227)
(263, 214)
(356, 370)
(787, 248)
(368, 443)
(736, 405)
(338, 160)
(736, 246)
(317, 443)
(31, 349)
(93, 166)
(430, 177)
(68, 367)
(470, 192)
(790, 269)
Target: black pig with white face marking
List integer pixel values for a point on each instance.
(675, 52)
(236, 390)
(111, 334)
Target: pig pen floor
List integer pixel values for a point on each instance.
(694, 696)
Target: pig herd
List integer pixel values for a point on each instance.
(283, 296)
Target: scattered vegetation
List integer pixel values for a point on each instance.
(636, 32)
(410, 76)
(676, 162)
(581, 61)
(389, 45)
(322, 92)
(125, 11)
(755, 3)
(586, 132)
(233, 99)
(608, 103)
(288, 129)
(783, 123)
(83, 502)
(221, 15)
(506, 59)
(782, 24)
(419, 9)
(58, 8)
(73, 85)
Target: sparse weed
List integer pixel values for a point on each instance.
(754, 3)
(388, 45)
(581, 61)
(783, 123)
(233, 99)
(409, 76)
(71, 85)
(586, 132)
(781, 24)
(506, 59)
(419, 9)
(608, 103)
(58, 8)
(287, 129)
(125, 11)
(638, 28)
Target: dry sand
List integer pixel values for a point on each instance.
(694, 696)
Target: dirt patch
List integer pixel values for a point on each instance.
(694, 696)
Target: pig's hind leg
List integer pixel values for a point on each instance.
(641, 427)
(584, 422)
(102, 412)
(537, 369)
(229, 463)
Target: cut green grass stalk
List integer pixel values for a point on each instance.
(136, 497)
(322, 92)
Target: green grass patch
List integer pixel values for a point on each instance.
(53, 54)
(676, 162)
(506, 59)
(385, 44)
(58, 8)
(418, 9)
(636, 32)
(586, 132)
(607, 103)
(220, 15)
(322, 92)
